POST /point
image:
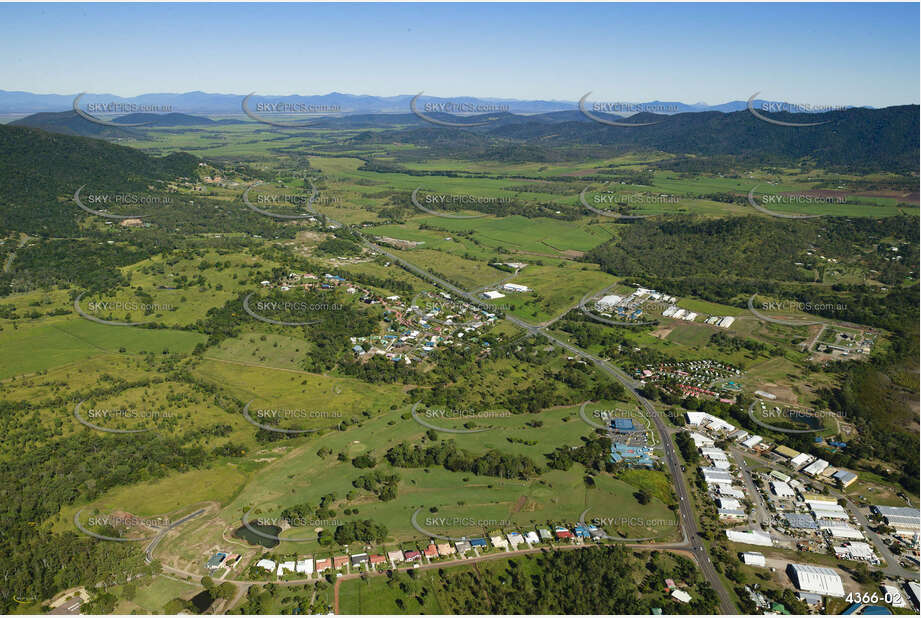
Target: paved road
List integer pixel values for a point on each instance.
(148, 552)
(679, 547)
(893, 568)
(686, 509)
(759, 514)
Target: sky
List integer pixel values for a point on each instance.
(821, 54)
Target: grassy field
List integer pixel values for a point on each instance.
(52, 342)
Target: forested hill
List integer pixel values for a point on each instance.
(71, 123)
(859, 139)
(728, 260)
(36, 168)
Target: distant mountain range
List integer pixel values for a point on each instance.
(860, 138)
(15, 102)
(71, 123)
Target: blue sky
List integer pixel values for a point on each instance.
(835, 54)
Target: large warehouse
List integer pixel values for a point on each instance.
(820, 580)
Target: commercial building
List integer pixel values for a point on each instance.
(801, 521)
(801, 460)
(782, 490)
(841, 531)
(845, 478)
(750, 537)
(786, 451)
(900, 517)
(820, 580)
(754, 558)
(702, 419)
(611, 300)
(856, 550)
(816, 467)
(514, 287)
(700, 440)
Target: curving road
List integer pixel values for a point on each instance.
(148, 551)
(686, 509)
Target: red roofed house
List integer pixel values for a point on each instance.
(431, 551)
(412, 555)
(340, 561)
(377, 559)
(322, 564)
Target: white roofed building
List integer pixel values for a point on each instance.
(820, 580)
(751, 537)
(782, 490)
(816, 467)
(754, 558)
(611, 300)
(801, 460)
(700, 440)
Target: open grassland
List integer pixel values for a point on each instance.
(153, 594)
(51, 342)
(449, 500)
(341, 399)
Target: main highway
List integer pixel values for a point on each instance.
(685, 506)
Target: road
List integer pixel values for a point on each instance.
(760, 514)
(893, 567)
(686, 509)
(12, 256)
(148, 552)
